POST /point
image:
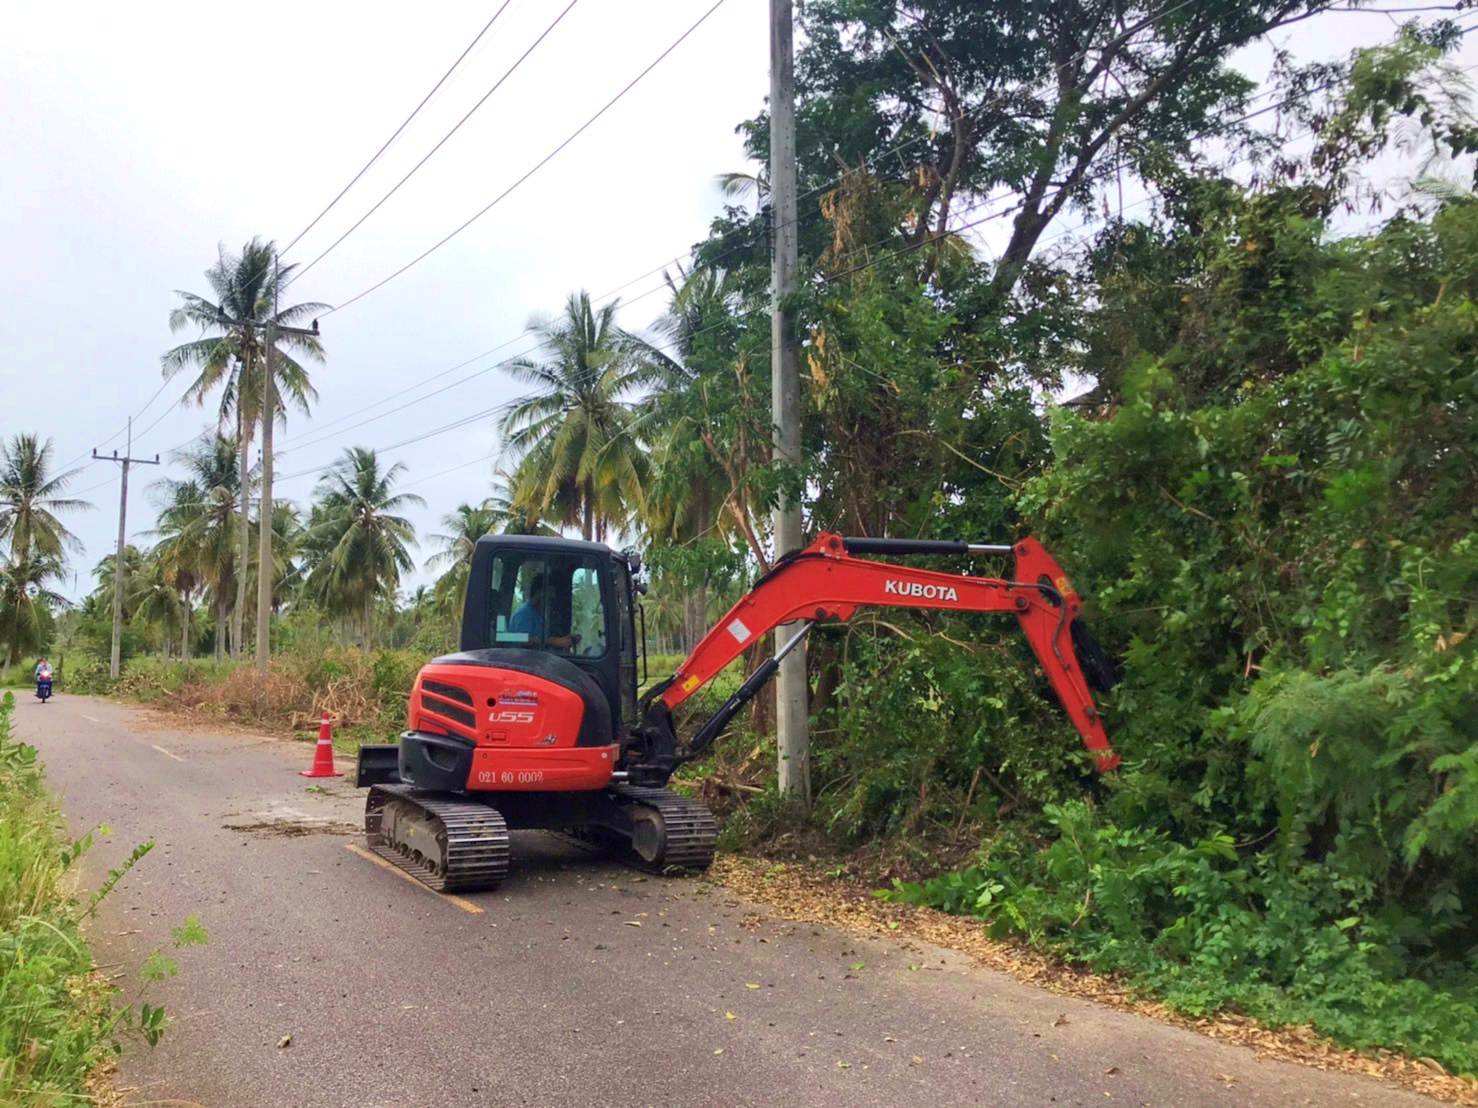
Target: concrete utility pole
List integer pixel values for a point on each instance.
(791, 693)
(271, 329)
(264, 521)
(119, 577)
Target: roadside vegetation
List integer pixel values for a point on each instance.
(61, 1022)
(1239, 409)
(56, 1019)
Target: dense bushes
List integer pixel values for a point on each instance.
(1207, 927)
(1282, 552)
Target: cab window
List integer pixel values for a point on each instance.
(548, 602)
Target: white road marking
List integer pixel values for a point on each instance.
(465, 905)
(167, 754)
(90, 719)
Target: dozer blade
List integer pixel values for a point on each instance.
(378, 765)
(448, 842)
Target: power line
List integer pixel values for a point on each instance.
(94, 488)
(537, 166)
(967, 209)
(452, 469)
(484, 413)
(431, 153)
(757, 310)
(419, 384)
(526, 331)
(755, 219)
(386, 145)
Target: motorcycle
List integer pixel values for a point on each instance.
(43, 687)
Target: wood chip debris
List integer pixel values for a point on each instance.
(803, 893)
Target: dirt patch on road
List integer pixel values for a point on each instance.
(293, 828)
(795, 892)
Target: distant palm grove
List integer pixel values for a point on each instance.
(1064, 272)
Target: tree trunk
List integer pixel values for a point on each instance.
(220, 625)
(244, 556)
(185, 632)
(587, 525)
(369, 615)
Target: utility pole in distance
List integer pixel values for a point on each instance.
(791, 693)
(269, 416)
(264, 516)
(118, 574)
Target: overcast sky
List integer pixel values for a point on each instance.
(134, 138)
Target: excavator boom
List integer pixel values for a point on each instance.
(826, 581)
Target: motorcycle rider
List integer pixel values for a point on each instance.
(43, 680)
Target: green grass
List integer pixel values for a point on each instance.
(20, 676)
(56, 1022)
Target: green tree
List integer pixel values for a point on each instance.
(199, 521)
(105, 574)
(30, 498)
(358, 545)
(701, 494)
(231, 354)
(26, 604)
(495, 515)
(463, 528)
(288, 538)
(581, 462)
(158, 602)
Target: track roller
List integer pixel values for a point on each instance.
(448, 842)
(668, 830)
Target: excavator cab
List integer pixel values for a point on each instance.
(571, 599)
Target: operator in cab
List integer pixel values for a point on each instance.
(528, 618)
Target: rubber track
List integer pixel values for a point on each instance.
(477, 839)
(691, 828)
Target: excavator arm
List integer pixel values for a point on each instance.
(827, 581)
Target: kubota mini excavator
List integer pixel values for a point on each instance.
(537, 724)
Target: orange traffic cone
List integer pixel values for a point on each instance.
(323, 754)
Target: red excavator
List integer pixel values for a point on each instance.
(537, 723)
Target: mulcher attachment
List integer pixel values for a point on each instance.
(448, 842)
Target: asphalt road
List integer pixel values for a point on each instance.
(578, 982)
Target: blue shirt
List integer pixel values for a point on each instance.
(527, 620)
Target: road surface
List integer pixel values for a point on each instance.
(578, 982)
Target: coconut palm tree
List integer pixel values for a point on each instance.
(575, 432)
(288, 536)
(106, 574)
(687, 488)
(231, 353)
(463, 528)
(689, 494)
(198, 522)
(495, 515)
(357, 543)
(155, 599)
(30, 498)
(26, 603)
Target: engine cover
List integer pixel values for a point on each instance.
(528, 721)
